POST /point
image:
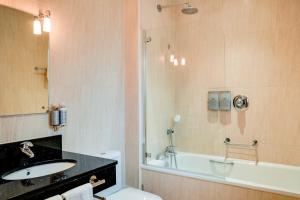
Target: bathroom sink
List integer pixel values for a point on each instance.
(39, 170)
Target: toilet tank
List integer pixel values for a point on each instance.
(113, 155)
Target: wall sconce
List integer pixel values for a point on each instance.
(47, 22)
(37, 23)
(37, 27)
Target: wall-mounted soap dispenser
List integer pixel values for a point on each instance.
(219, 100)
(225, 100)
(58, 117)
(213, 100)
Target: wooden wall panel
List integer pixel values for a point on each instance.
(171, 187)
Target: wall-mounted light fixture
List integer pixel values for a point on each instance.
(47, 21)
(38, 20)
(37, 27)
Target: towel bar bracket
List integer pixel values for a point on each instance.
(96, 182)
(101, 198)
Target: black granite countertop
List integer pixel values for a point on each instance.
(12, 189)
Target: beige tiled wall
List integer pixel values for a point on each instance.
(131, 86)
(246, 47)
(86, 73)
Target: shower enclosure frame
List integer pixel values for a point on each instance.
(144, 96)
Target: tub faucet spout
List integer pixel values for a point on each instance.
(170, 149)
(171, 153)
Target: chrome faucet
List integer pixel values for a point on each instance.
(170, 149)
(25, 148)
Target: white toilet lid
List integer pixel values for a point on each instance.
(133, 194)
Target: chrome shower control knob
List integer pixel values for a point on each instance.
(241, 103)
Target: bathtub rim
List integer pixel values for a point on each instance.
(223, 180)
(240, 161)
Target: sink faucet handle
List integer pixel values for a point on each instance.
(27, 144)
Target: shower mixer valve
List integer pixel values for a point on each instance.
(170, 131)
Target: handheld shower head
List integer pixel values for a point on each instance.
(177, 119)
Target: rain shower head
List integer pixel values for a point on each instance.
(159, 7)
(187, 9)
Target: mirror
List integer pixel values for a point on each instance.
(23, 64)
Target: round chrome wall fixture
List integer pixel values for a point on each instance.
(240, 103)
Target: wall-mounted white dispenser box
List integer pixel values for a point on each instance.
(225, 100)
(58, 117)
(63, 116)
(213, 101)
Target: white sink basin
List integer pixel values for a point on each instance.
(39, 170)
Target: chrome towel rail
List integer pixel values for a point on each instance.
(253, 145)
(95, 197)
(95, 182)
(221, 162)
(101, 198)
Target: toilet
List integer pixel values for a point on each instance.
(117, 192)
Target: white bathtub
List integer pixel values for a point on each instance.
(282, 179)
